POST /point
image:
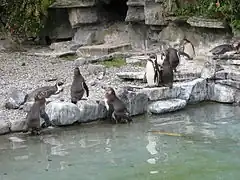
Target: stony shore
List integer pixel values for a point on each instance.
(198, 80)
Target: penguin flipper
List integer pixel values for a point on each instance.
(86, 88)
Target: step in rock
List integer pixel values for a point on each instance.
(208, 23)
(228, 82)
(137, 59)
(140, 76)
(165, 106)
(102, 49)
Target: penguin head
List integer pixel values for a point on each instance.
(152, 58)
(40, 96)
(76, 71)
(110, 91)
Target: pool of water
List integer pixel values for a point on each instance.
(201, 142)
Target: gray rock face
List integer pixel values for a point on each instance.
(136, 102)
(164, 106)
(72, 3)
(210, 68)
(91, 110)
(87, 35)
(96, 69)
(135, 14)
(65, 46)
(16, 99)
(221, 93)
(204, 22)
(4, 125)
(78, 16)
(63, 113)
(234, 84)
(131, 75)
(154, 13)
(18, 125)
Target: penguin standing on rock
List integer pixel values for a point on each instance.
(153, 70)
(189, 48)
(78, 86)
(36, 112)
(120, 112)
(167, 71)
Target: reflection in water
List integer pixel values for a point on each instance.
(208, 148)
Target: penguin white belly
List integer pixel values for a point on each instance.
(189, 50)
(160, 59)
(150, 74)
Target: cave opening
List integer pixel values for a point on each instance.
(114, 10)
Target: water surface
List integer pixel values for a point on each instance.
(208, 149)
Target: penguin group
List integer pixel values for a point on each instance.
(160, 69)
(159, 72)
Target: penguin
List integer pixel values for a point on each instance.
(174, 56)
(223, 48)
(188, 48)
(167, 71)
(153, 70)
(120, 112)
(49, 91)
(35, 113)
(78, 86)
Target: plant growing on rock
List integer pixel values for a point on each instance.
(24, 18)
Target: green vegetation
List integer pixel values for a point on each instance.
(24, 17)
(118, 62)
(228, 10)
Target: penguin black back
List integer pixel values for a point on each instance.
(173, 58)
(167, 71)
(78, 86)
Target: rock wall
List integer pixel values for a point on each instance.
(150, 23)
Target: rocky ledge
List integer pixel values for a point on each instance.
(194, 83)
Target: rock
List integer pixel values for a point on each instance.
(135, 14)
(4, 124)
(135, 3)
(27, 106)
(137, 59)
(221, 93)
(159, 93)
(103, 49)
(79, 16)
(53, 54)
(80, 61)
(204, 22)
(234, 75)
(228, 82)
(16, 99)
(72, 3)
(154, 13)
(164, 106)
(131, 75)
(63, 113)
(91, 110)
(100, 76)
(18, 125)
(209, 69)
(136, 102)
(88, 35)
(221, 75)
(65, 46)
(96, 69)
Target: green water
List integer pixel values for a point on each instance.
(209, 149)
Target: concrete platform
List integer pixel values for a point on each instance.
(102, 49)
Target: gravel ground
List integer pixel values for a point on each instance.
(37, 70)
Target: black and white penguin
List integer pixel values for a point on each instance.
(49, 91)
(78, 87)
(188, 48)
(223, 48)
(153, 70)
(120, 112)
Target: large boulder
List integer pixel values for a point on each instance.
(16, 99)
(91, 110)
(221, 93)
(4, 124)
(164, 106)
(136, 102)
(63, 113)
